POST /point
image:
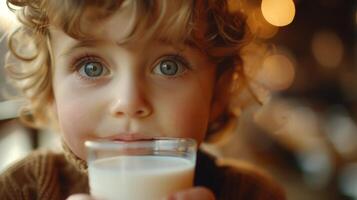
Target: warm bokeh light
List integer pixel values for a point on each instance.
(259, 26)
(327, 48)
(278, 12)
(341, 130)
(7, 18)
(277, 72)
(295, 124)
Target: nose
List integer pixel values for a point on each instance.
(131, 101)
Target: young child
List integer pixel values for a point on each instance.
(126, 70)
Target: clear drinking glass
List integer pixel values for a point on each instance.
(140, 170)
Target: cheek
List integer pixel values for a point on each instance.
(191, 123)
(187, 118)
(72, 117)
(77, 118)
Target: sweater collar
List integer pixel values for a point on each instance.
(79, 164)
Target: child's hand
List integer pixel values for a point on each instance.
(196, 193)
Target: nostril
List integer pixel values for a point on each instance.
(142, 113)
(119, 113)
(121, 109)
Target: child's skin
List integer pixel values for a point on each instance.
(104, 88)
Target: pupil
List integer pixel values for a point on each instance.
(169, 68)
(93, 69)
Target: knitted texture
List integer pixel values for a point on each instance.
(77, 162)
(42, 175)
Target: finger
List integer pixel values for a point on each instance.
(80, 197)
(197, 193)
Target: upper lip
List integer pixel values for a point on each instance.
(130, 137)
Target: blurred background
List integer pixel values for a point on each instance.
(305, 134)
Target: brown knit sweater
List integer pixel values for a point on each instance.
(46, 175)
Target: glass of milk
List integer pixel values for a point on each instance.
(140, 170)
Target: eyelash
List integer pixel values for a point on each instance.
(178, 58)
(80, 60)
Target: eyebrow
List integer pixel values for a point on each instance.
(95, 43)
(82, 44)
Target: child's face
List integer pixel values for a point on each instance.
(126, 91)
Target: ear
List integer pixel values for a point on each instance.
(221, 94)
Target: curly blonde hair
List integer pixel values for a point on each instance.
(204, 24)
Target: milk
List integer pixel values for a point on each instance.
(139, 177)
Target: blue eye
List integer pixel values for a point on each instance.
(92, 69)
(170, 67)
